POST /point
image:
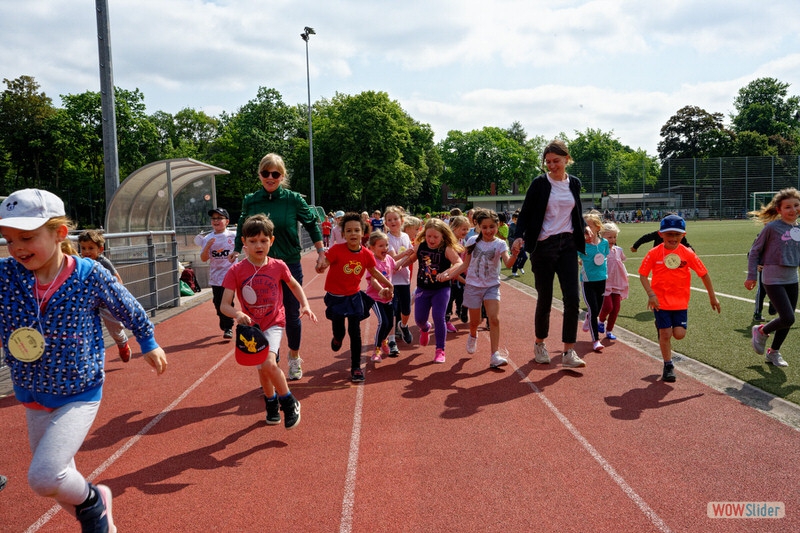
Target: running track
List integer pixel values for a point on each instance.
(419, 446)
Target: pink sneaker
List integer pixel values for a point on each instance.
(450, 327)
(385, 347)
(376, 357)
(439, 356)
(424, 336)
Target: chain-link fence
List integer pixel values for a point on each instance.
(720, 188)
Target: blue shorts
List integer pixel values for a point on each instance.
(671, 319)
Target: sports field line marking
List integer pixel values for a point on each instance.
(618, 479)
(133, 440)
(346, 525)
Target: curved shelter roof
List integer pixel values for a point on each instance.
(145, 200)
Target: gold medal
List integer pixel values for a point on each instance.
(26, 344)
(672, 261)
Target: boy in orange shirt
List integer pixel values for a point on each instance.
(668, 294)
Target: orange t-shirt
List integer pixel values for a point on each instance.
(673, 286)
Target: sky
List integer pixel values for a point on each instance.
(561, 66)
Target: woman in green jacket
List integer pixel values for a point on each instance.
(285, 209)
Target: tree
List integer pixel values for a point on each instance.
(691, 132)
(763, 107)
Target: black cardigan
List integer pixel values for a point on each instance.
(531, 215)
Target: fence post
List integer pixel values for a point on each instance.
(151, 268)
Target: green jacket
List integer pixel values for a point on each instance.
(286, 209)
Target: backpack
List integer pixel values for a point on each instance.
(188, 276)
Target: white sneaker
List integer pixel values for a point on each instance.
(472, 344)
(497, 360)
(540, 353)
(295, 368)
(759, 340)
(586, 324)
(570, 359)
(774, 357)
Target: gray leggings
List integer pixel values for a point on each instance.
(55, 437)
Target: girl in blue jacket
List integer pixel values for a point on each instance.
(53, 338)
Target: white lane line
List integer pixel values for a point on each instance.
(133, 440)
(618, 479)
(348, 501)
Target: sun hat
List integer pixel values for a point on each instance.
(30, 209)
(219, 211)
(672, 223)
(338, 214)
(252, 346)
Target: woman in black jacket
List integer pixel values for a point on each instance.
(552, 229)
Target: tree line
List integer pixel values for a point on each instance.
(368, 152)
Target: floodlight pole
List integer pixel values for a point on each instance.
(305, 36)
(110, 154)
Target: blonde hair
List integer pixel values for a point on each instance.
(376, 236)
(395, 209)
(771, 211)
(610, 227)
(593, 219)
(68, 248)
(410, 221)
(275, 161)
(448, 237)
(458, 221)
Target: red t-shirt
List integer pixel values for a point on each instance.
(326, 227)
(673, 286)
(268, 310)
(346, 269)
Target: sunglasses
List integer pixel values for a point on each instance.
(266, 174)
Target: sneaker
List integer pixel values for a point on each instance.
(472, 344)
(540, 353)
(405, 333)
(273, 410)
(439, 358)
(424, 336)
(586, 324)
(610, 336)
(228, 334)
(771, 309)
(597, 346)
(759, 340)
(464, 315)
(570, 359)
(376, 357)
(357, 376)
(97, 518)
(295, 368)
(497, 359)
(601, 327)
(336, 344)
(393, 350)
(3, 481)
(669, 374)
(450, 327)
(515, 274)
(124, 352)
(385, 347)
(521, 270)
(757, 317)
(774, 357)
(291, 411)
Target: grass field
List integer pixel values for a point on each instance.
(721, 341)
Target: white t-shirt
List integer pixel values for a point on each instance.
(218, 263)
(398, 245)
(558, 215)
(485, 263)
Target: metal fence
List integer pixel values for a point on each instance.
(722, 188)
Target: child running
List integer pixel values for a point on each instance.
(668, 296)
(616, 284)
(218, 251)
(777, 248)
(92, 244)
(593, 275)
(379, 246)
(256, 282)
(50, 327)
(482, 263)
(460, 226)
(344, 300)
(437, 252)
(399, 247)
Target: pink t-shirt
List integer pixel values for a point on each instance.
(385, 267)
(267, 309)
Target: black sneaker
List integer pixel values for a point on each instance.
(394, 351)
(464, 315)
(291, 411)
(357, 376)
(97, 516)
(669, 374)
(405, 331)
(771, 310)
(758, 318)
(228, 334)
(273, 410)
(336, 344)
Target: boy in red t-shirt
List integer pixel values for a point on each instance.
(349, 261)
(668, 294)
(327, 226)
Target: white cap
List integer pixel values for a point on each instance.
(30, 209)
